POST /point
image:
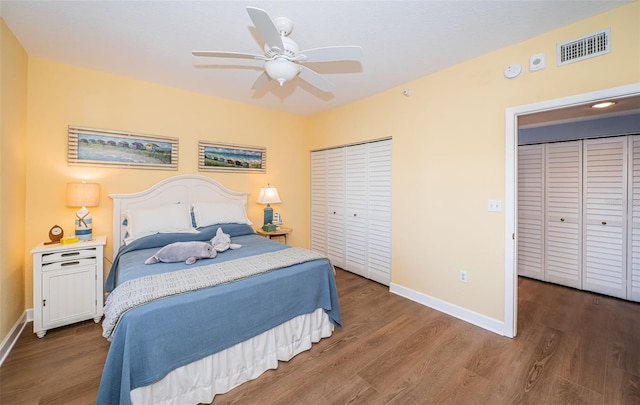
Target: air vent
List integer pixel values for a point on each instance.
(588, 46)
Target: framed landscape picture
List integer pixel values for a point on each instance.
(222, 157)
(90, 146)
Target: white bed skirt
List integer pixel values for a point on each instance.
(200, 381)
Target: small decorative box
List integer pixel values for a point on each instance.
(69, 239)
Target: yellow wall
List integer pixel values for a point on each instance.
(62, 95)
(449, 154)
(13, 120)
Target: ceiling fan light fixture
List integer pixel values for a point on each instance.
(281, 70)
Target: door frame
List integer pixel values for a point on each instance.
(511, 186)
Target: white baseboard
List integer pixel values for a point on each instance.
(12, 337)
(464, 314)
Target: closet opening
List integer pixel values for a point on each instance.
(540, 123)
(579, 213)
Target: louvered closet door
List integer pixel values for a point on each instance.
(319, 201)
(379, 226)
(356, 210)
(633, 254)
(530, 233)
(563, 231)
(336, 206)
(604, 221)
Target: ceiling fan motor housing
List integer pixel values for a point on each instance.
(283, 25)
(290, 49)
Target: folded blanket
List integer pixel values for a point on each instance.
(139, 291)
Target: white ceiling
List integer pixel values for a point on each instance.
(401, 40)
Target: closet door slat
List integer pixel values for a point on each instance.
(633, 204)
(336, 206)
(319, 201)
(604, 216)
(563, 230)
(531, 169)
(379, 219)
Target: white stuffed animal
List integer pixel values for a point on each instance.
(188, 252)
(222, 242)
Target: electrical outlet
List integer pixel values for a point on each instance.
(463, 276)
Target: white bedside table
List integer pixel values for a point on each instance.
(67, 283)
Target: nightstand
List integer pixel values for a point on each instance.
(282, 231)
(67, 283)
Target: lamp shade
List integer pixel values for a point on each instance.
(268, 195)
(83, 194)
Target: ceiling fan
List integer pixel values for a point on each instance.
(283, 60)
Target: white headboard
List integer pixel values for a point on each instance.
(183, 189)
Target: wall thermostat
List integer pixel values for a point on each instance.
(512, 70)
(537, 62)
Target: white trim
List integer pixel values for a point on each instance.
(511, 137)
(464, 314)
(12, 337)
(510, 223)
(386, 138)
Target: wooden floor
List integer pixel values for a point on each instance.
(572, 347)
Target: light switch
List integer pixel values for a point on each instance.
(494, 205)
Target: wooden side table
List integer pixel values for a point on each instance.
(282, 231)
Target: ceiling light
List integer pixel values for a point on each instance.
(604, 104)
(281, 70)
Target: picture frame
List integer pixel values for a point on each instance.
(224, 157)
(102, 147)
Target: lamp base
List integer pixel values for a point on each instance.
(83, 224)
(268, 215)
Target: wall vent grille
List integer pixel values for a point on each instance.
(588, 46)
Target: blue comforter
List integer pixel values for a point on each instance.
(153, 339)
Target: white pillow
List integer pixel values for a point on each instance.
(168, 218)
(211, 213)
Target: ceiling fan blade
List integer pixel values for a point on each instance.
(315, 79)
(266, 28)
(261, 82)
(330, 54)
(237, 55)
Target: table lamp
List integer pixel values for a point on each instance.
(268, 195)
(83, 195)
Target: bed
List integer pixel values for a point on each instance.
(180, 334)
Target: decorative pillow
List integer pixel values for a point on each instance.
(211, 213)
(233, 230)
(170, 218)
